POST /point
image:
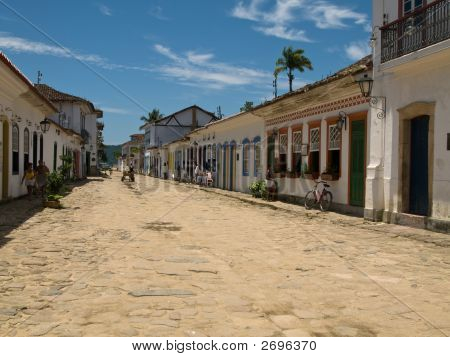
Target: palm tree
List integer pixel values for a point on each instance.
(292, 60)
(154, 115)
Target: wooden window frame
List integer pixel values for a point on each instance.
(331, 122)
(296, 129)
(15, 154)
(314, 125)
(246, 160)
(256, 148)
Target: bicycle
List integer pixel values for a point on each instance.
(324, 198)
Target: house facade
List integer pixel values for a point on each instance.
(166, 130)
(408, 175)
(230, 150)
(133, 153)
(320, 130)
(80, 116)
(22, 140)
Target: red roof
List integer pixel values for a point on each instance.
(57, 96)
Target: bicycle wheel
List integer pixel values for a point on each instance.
(310, 200)
(326, 200)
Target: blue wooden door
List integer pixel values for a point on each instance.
(418, 180)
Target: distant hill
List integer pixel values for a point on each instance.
(110, 150)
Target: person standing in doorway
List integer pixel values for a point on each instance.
(29, 178)
(42, 172)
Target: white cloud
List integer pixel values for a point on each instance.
(198, 70)
(357, 50)
(284, 33)
(105, 10)
(199, 58)
(329, 16)
(279, 20)
(20, 45)
(113, 110)
(157, 13)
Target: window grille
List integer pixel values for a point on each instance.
(283, 143)
(334, 138)
(297, 142)
(315, 140)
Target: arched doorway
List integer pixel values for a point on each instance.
(225, 165)
(41, 148)
(35, 149)
(232, 184)
(5, 160)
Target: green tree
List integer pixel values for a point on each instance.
(117, 154)
(154, 115)
(292, 60)
(247, 106)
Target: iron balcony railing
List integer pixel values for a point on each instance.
(422, 28)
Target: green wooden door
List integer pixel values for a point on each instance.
(357, 162)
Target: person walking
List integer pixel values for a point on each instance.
(29, 178)
(42, 172)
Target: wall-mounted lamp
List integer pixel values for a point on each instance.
(342, 121)
(45, 125)
(366, 85)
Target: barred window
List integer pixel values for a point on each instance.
(15, 150)
(334, 135)
(246, 159)
(297, 152)
(283, 143)
(297, 142)
(315, 139)
(26, 148)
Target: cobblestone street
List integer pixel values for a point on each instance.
(154, 258)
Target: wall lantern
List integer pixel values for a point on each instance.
(342, 121)
(366, 85)
(45, 125)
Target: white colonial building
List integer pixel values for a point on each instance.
(230, 150)
(169, 129)
(80, 116)
(133, 154)
(22, 140)
(408, 175)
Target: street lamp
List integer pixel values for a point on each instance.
(342, 121)
(45, 125)
(366, 85)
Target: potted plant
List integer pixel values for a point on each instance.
(55, 184)
(329, 174)
(308, 174)
(53, 201)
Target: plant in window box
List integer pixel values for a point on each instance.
(308, 174)
(291, 174)
(330, 174)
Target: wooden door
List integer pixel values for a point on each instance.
(357, 162)
(5, 161)
(418, 179)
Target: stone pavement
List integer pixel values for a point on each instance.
(153, 258)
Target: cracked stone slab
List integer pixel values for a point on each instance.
(210, 271)
(34, 262)
(161, 292)
(8, 312)
(173, 272)
(192, 260)
(286, 322)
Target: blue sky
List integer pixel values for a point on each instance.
(129, 57)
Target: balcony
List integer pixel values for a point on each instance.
(420, 29)
(100, 125)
